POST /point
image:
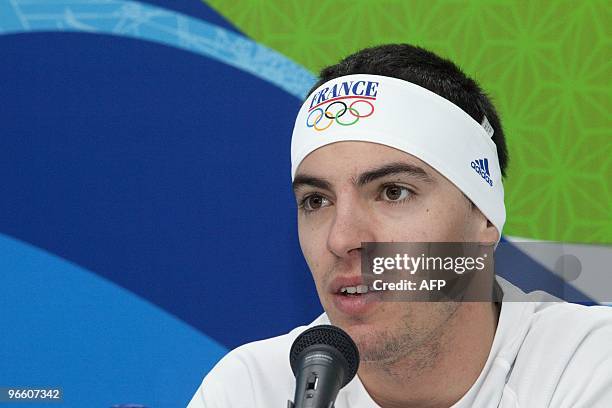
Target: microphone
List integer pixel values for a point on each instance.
(323, 359)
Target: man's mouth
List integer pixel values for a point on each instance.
(352, 295)
(355, 290)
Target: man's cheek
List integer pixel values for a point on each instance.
(416, 230)
(314, 262)
(313, 243)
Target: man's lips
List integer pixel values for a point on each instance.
(352, 301)
(346, 281)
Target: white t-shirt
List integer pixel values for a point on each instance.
(544, 354)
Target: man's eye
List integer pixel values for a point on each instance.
(395, 193)
(314, 202)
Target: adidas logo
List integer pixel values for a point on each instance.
(481, 166)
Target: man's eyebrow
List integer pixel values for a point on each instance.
(366, 177)
(306, 180)
(393, 169)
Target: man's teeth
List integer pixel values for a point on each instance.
(354, 289)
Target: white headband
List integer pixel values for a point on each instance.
(407, 117)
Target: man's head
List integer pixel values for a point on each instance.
(349, 192)
(426, 69)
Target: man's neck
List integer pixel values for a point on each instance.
(418, 380)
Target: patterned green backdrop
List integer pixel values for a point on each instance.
(545, 63)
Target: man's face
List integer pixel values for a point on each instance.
(354, 192)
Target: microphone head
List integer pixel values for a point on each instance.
(326, 335)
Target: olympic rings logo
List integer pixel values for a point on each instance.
(322, 119)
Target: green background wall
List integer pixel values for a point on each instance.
(546, 65)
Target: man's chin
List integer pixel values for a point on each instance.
(370, 340)
(372, 335)
(359, 328)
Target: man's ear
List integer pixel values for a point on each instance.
(489, 233)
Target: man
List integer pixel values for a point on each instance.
(395, 144)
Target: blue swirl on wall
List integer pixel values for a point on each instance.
(146, 22)
(128, 158)
(64, 326)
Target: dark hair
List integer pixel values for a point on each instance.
(426, 69)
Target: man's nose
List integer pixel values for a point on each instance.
(352, 225)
